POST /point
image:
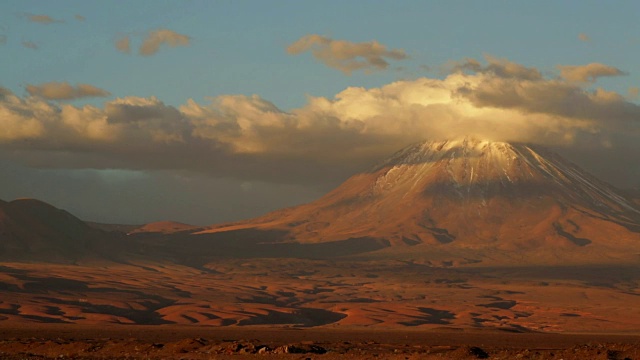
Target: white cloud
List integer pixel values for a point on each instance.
(346, 56)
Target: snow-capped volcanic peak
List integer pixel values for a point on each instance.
(470, 168)
(469, 194)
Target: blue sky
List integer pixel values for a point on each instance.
(240, 48)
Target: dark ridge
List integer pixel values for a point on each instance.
(504, 305)
(431, 316)
(576, 240)
(303, 317)
(442, 235)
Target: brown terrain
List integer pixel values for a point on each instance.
(457, 250)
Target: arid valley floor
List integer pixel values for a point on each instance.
(299, 309)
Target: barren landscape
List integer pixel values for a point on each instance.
(319, 180)
(463, 249)
(317, 308)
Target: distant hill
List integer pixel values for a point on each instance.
(32, 230)
(164, 227)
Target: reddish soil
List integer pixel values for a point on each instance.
(55, 341)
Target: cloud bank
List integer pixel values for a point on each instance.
(249, 137)
(65, 91)
(344, 55)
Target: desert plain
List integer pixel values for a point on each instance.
(317, 308)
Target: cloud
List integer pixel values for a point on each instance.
(123, 44)
(633, 92)
(155, 39)
(43, 19)
(65, 91)
(79, 17)
(584, 37)
(588, 73)
(500, 68)
(30, 45)
(346, 56)
(250, 138)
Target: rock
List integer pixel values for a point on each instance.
(478, 352)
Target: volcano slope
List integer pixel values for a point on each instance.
(468, 201)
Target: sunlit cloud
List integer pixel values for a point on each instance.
(588, 73)
(30, 45)
(157, 38)
(123, 44)
(633, 92)
(584, 37)
(346, 56)
(43, 19)
(248, 136)
(500, 68)
(65, 91)
(79, 17)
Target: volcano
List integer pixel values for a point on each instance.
(472, 198)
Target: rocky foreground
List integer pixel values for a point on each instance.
(46, 342)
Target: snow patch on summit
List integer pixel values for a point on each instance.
(472, 167)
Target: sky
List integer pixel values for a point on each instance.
(213, 111)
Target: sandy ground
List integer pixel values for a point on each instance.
(299, 309)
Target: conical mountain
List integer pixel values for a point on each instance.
(469, 194)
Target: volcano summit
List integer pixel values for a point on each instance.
(473, 198)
